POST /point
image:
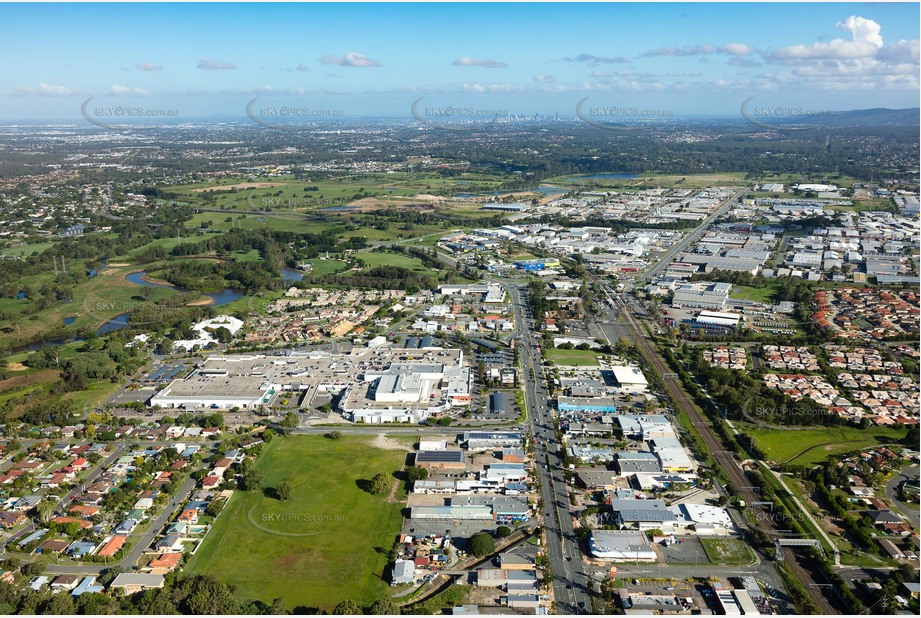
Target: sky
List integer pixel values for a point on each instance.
(341, 60)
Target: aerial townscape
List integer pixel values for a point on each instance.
(465, 321)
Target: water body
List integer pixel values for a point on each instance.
(549, 190)
(37, 345)
(20, 296)
(338, 208)
(601, 177)
(118, 322)
(221, 297)
(291, 274)
(69, 321)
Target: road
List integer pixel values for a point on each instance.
(140, 545)
(724, 459)
(689, 238)
(570, 575)
(892, 493)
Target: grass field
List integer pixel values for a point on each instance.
(574, 358)
(351, 530)
(374, 258)
(27, 249)
(727, 551)
(759, 295)
(326, 267)
(813, 446)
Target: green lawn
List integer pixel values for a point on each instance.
(326, 267)
(758, 295)
(38, 247)
(374, 258)
(728, 551)
(807, 446)
(351, 531)
(575, 358)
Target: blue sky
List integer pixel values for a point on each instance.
(377, 59)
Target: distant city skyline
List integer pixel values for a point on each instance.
(621, 61)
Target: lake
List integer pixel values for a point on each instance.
(120, 321)
(290, 274)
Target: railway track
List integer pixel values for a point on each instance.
(724, 459)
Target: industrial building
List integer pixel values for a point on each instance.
(701, 295)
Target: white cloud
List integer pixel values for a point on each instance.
(351, 59)
(593, 61)
(117, 90)
(861, 63)
(737, 49)
(148, 66)
(302, 68)
(544, 79)
(687, 50)
(54, 90)
(207, 64)
(483, 62)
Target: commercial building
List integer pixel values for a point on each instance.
(491, 440)
(621, 545)
(630, 379)
(441, 460)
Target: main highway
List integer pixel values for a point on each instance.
(570, 576)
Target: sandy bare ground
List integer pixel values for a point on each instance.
(242, 185)
(389, 444)
(16, 367)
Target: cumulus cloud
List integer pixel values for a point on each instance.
(46, 90)
(861, 63)
(351, 59)
(481, 62)
(117, 90)
(206, 64)
(148, 66)
(302, 68)
(544, 79)
(593, 61)
(737, 49)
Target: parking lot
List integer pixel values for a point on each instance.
(688, 551)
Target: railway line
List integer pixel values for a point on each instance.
(724, 459)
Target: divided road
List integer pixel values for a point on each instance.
(570, 576)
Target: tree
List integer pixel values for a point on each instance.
(380, 483)
(348, 608)
(482, 544)
(284, 491)
(503, 531)
(251, 480)
(333, 435)
(417, 473)
(384, 607)
(290, 421)
(46, 509)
